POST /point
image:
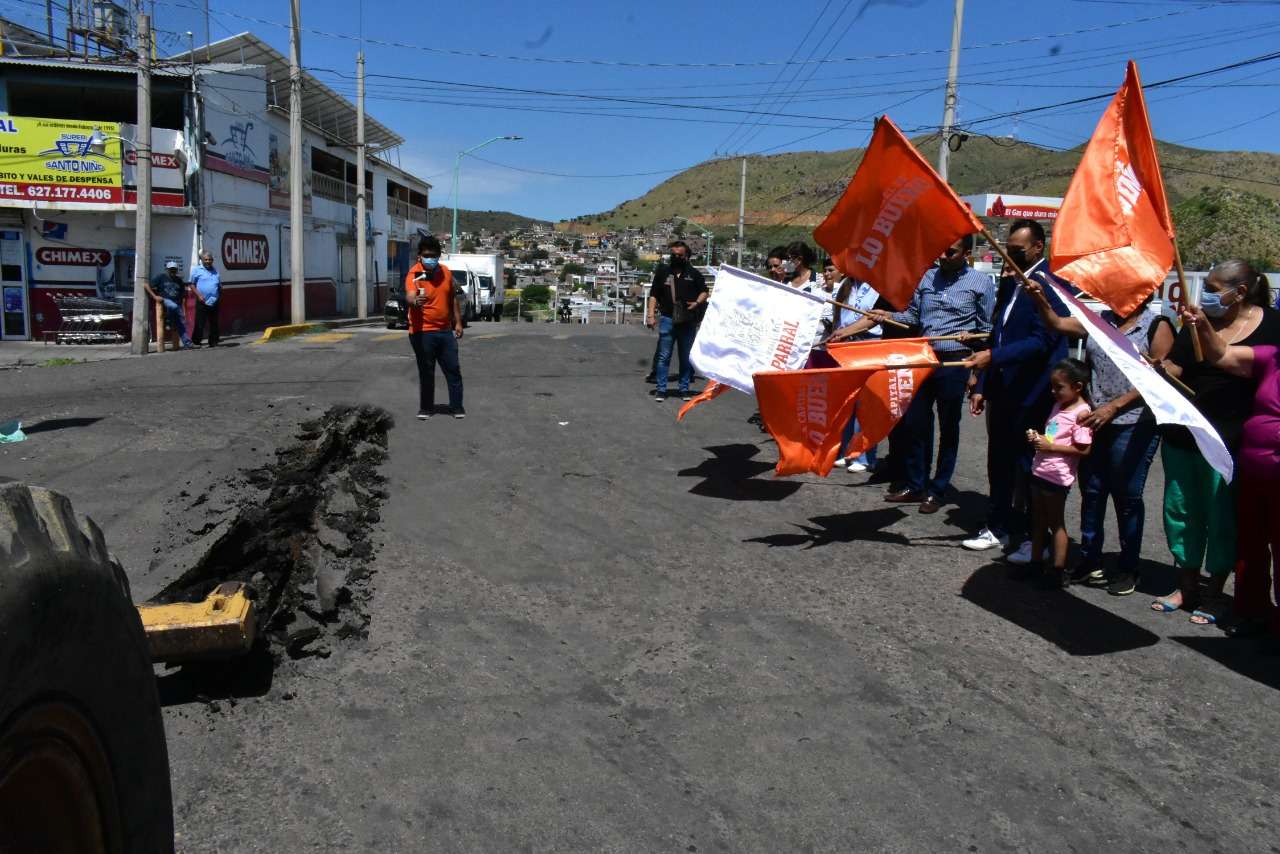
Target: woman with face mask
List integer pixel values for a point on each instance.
(1199, 506)
(1257, 476)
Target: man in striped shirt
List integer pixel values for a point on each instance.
(952, 298)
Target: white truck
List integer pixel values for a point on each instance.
(489, 281)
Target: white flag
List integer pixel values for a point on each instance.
(1165, 402)
(755, 324)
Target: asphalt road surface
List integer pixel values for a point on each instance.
(593, 629)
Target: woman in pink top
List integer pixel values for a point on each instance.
(1058, 453)
(1257, 473)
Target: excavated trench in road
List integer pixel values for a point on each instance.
(297, 532)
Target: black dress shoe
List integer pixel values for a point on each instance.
(903, 496)
(930, 505)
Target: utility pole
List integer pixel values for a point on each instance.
(362, 279)
(208, 51)
(48, 19)
(742, 209)
(297, 275)
(142, 217)
(949, 104)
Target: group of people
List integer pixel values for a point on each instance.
(1056, 423)
(169, 290)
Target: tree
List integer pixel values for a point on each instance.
(577, 246)
(536, 294)
(468, 247)
(629, 254)
(571, 269)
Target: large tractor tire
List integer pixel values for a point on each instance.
(83, 761)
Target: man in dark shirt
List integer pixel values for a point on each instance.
(170, 291)
(676, 297)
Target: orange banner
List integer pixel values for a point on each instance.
(1114, 236)
(895, 218)
(711, 392)
(888, 392)
(805, 412)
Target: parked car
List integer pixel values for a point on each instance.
(396, 311)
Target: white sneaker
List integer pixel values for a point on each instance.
(840, 463)
(985, 540)
(1023, 554)
(856, 466)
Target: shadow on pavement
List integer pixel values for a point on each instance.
(731, 475)
(865, 526)
(51, 424)
(1238, 655)
(248, 676)
(1074, 625)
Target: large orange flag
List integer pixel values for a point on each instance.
(1114, 236)
(895, 218)
(888, 393)
(805, 412)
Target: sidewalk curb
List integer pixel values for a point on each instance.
(276, 333)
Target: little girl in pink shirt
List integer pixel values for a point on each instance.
(1058, 452)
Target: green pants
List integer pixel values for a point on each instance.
(1199, 512)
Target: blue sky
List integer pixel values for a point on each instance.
(1050, 61)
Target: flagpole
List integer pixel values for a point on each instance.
(1182, 282)
(857, 310)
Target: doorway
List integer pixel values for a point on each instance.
(15, 325)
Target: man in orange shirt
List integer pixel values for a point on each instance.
(434, 328)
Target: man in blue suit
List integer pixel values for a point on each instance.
(1013, 389)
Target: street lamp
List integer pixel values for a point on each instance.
(457, 167)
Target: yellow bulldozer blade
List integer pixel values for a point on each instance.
(222, 626)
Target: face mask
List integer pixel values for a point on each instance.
(430, 264)
(1211, 302)
(789, 269)
(1018, 256)
(677, 262)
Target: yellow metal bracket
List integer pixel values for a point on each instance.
(222, 626)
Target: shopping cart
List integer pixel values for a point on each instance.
(87, 320)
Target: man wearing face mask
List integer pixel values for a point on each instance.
(1013, 388)
(434, 328)
(676, 296)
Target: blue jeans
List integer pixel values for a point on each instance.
(430, 348)
(850, 430)
(943, 390)
(1117, 467)
(671, 335)
(175, 315)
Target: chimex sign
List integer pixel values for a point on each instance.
(241, 251)
(64, 256)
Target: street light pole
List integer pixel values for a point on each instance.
(457, 167)
(949, 104)
(297, 271)
(362, 261)
(142, 218)
(742, 208)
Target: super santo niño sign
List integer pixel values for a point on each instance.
(52, 160)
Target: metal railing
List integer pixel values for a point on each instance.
(333, 189)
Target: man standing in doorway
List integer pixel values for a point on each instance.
(434, 328)
(677, 293)
(208, 285)
(170, 291)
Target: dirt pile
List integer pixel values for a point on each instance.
(298, 533)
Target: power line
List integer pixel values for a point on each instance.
(752, 64)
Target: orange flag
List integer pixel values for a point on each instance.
(895, 218)
(805, 412)
(1114, 235)
(711, 392)
(888, 393)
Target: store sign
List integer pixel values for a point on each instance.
(242, 251)
(51, 160)
(64, 256)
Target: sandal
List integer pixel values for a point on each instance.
(1209, 612)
